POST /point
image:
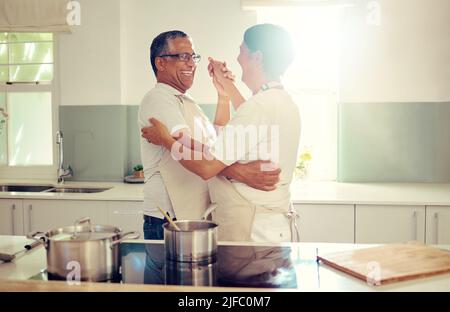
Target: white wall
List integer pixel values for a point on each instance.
(106, 59)
(216, 26)
(90, 56)
(405, 59)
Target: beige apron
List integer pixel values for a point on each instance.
(187, 192)
(235, 214)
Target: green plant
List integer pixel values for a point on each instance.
(4, 117)
(2, 125)
(303, 161)
(138, 168)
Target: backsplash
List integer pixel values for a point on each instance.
(101, 143)
(377, 142)
(394, 142)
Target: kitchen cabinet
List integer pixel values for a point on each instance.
(326, 223)
(127, 215)
(11, 217)
(438, 225)
(43, 215)
(389, 224)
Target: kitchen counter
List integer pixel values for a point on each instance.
(302, 193)
(310, 275)
(117, 191)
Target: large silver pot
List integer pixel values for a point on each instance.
(84, 252)
(196, 242)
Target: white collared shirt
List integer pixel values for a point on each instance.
(162, 103)
(271, 107)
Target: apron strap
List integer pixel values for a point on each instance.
(292, 216)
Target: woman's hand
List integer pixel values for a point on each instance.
(219, 72)
(157, 134)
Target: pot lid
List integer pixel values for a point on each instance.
(84, 233)
(86, 236)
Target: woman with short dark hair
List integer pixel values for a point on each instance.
(265, 127)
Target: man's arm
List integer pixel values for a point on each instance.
(198, 161)
(253, 175)
(202, 164)
(184, 137)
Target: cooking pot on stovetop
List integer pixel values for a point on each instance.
(84, 252)
(196, 242)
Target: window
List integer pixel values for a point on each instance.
(27, 111)
(313, 79)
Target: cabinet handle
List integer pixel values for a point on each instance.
(13, 212)
(415, 225)
(30, 211)
(436, 227)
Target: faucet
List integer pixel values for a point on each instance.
(63, 173)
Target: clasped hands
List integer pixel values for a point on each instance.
(158, 133)
(221, 76)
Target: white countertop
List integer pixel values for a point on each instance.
(117, 191)
(372, 193)
(311, 279)
(26, 264)
(302, 192)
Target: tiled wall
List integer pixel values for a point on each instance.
(101, 143)
(378, 142)
(394, 142)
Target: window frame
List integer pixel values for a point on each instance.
(319, 171)
(41, 172)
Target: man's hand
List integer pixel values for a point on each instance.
(254, 174)
(221, 69)
(156, 134)
(215, 69)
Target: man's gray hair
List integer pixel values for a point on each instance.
(160, 45)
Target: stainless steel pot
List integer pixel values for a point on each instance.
(191, 273)
(84, 252)
(196, 242)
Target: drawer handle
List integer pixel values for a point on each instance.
(415, 225)
(30, 211)
(13, 219)
(436, 226)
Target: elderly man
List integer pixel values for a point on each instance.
(245, 213)
(168, 185)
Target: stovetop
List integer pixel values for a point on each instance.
(234, 266)
(238, 266)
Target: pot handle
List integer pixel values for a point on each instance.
(80, 222)
(208, 211)
(38, 237)
(131, 235)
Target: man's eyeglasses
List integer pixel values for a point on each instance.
(185, 57)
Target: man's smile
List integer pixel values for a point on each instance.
(188, 73)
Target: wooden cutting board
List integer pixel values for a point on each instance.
(390, 263)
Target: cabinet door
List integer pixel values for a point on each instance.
(389, 224)
(11, 217)
(44, 215)
(438, 225)
(326, 223)
(126, 215)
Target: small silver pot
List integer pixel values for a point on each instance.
(191, 273)
(196, 242)
(83, 252)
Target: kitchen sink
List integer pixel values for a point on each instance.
(24, 188)
(76, 190)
